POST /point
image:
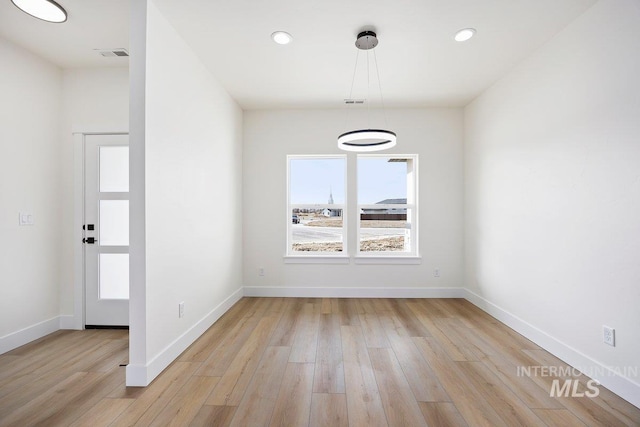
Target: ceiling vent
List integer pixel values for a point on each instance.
(111, 53)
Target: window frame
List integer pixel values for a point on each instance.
(292, 256)
(412, 214)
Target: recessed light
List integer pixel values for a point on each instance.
(47, 10)
(281, 37)
(464, 34)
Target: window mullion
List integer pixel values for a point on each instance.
(352, 226)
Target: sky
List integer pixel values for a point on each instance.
(313, 179)
(379, 180)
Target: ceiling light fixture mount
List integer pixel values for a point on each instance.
(366, 40)
(45, 10)
(363, 140)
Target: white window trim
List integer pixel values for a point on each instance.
(345, 256)
(316, 257)
(387, 259)
(412, 257)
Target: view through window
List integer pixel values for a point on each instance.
(316, 204)
(386, 205)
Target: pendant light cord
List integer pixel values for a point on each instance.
(368, 94)
(353, 79)
(384, 110)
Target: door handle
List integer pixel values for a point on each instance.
(89, 240)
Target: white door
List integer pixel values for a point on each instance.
(106, 230)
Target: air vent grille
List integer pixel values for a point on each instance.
(112, 53)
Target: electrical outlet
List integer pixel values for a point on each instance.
(261, 271)
(609, 335)
(436, 272)
(25, 218)
(181, 309)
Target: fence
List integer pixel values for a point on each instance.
(383, 217)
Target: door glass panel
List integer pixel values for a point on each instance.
(114, 223)
(114, 169)
(114, 276)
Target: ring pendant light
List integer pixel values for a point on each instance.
(46, 10)
(364, 140)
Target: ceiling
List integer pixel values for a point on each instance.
(419, 62)
(91, 24)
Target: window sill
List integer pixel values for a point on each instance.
(368, 259)
(346, 259)
(316, 259)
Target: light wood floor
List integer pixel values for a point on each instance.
(299, 362)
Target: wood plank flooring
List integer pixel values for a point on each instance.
(307, 362)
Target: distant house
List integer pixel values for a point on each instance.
(331, 213)
(387, 210)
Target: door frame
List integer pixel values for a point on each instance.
(79, 136)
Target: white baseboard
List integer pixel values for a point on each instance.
(142, 375)
(620, 385)
(137, 375)
(327, 292)
(28, 334)
(68, 322)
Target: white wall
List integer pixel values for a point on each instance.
(30, 149)
(93, 99)
(434, 134)
(192, 166)
(553, 190)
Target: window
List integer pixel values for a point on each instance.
(316, 205)
(387, 205)
(384, 212)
